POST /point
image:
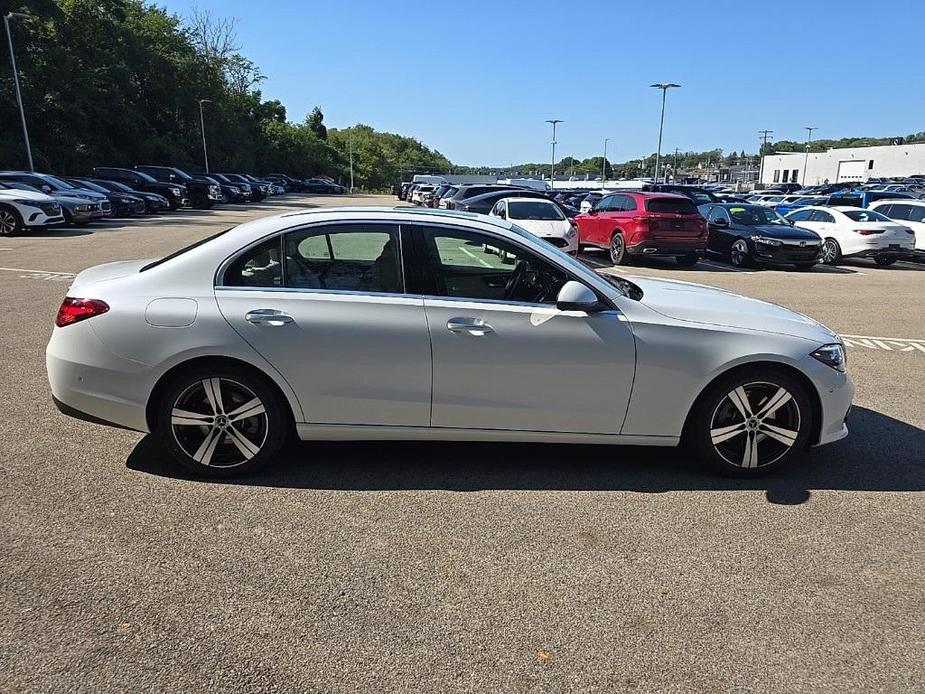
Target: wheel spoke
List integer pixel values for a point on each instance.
(778, 400)
(213, 389)
(186, 418)
(248, 409)
(750, 456)
(246, 446)
(785, 436)
(739, 398)
(207, 448)
(721, 434)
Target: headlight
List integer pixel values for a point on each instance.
(766, 241)
(572, 232)
(126, 201)
(82, 208)
(234, 189)
(833, 355)
(175, 191)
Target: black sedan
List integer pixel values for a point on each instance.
(154, 202)
(483, 203)
(319, 185)
(123, 204)
(751, 234)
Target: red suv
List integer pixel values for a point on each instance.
(636, 224)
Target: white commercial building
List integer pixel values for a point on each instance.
(848, 164)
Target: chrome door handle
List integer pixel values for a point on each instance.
(267, 316)
(474, 326)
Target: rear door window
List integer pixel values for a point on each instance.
(671, 206)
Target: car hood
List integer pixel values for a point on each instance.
(17, 194)
(779, 231)
(698, 303)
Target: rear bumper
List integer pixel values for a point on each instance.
(668, 247)
(894, 250)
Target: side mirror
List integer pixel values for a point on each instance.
(720, 223)
(574, 296)
(46, 188)
(593, 211)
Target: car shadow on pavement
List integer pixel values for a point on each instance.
(881, 454)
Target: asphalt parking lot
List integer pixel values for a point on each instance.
(461, 567)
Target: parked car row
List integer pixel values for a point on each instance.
(689, 222)
(33, 200)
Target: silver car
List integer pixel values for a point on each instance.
(370, 323)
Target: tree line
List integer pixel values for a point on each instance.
(119, 82)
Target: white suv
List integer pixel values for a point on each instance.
(21, 209)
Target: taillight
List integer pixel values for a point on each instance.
(75, 310)
(869, 232)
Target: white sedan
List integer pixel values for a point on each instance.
(375, 323)
(542, 218)
(909, 213)
(855, 232)
(26, 209)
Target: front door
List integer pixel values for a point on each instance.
(326, 306)
(504, 357)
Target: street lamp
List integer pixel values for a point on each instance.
(604, 165)
(664, 86)
(350, 143)
(202, 127)
(809, 138)
(552, 167)
(22, 114)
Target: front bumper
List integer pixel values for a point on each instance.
(836, 393)
(37, 217)
(786, 253)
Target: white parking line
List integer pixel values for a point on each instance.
(48, 275)
(888, 344)
(474, 257)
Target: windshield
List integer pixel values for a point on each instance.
(57, 183)
(865, 216)
(530, 210)
(23, 186)
(90, 186)
(182, 175)
(113, 185)
(755, 215)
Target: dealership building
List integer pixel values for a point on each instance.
(847, 164)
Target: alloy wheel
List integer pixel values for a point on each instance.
(219, 422)
(830, 252)
(8, 222)
(755, 424)
(617, 249)
(738, 254)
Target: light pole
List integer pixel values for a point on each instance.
(22, 114)
(809, 138)
(552, 167)
(765, 134)
(202, 127)
(604, 165)
(664, 86)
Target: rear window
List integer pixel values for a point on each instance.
(865, 216)
(183, 250)
(671, 206)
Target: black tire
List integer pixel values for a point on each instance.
(716, 411)
(802, 267)
(831, 252)
(739, 254)
(10, 221)
(885, 260)
(214, 439)
(617, 250)
(689, 260)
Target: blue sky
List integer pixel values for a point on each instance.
(476, 80)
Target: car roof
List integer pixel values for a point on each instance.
(883, 202)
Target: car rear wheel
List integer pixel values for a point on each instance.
(831, 252)
(222, 421)
(739, 255)
(688, 260)
(10, 221)
(751, 422)
(618, 254)
(884, 260)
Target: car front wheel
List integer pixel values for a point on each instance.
(222, 421)
(10, 221)
(751, 422)
(739, 255)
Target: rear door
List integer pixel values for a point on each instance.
(504, 357)
(327, 307)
